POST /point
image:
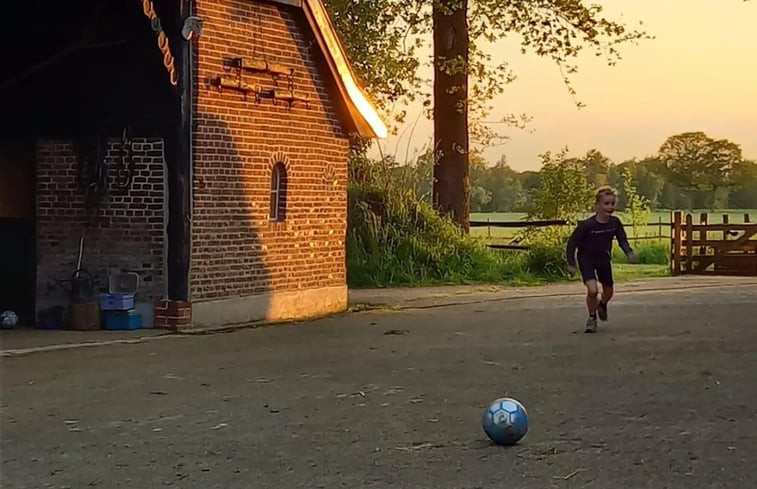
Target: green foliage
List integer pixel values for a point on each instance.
(394, 238)
(503, 184)
(695, 162)
(647, 253)
(564, 192)
(636, 205)
(498, 188)
(596, 166)
(375, 39)
(384, 39)
(546, 253)
(744, 195)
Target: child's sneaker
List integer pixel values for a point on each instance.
(591, 325)
(602, 311)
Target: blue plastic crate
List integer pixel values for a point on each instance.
(122, 320)
(116, 302)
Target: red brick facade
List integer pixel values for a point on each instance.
(173, 315)
(126, 232)
(236, 250)
(244, 264)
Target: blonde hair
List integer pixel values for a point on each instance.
(604, 190)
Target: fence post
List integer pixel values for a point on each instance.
(702, 233)
(725, 230)
(746, 218)
(489, 226)
(675, 239)
(659, 227)
(689, 242)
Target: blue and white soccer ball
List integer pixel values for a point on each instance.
(8, 320)
(505, 421)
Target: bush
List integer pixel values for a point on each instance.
(647, 253)
(395, 239)
(546, 253)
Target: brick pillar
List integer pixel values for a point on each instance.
(173, 315)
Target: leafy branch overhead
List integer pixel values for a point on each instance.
(387, 41)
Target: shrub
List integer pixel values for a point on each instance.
(546, 253)
(395, 239)
(647, 253)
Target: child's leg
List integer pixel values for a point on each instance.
(589, 274)
(592, 297)
(607, 293)
(604, 274)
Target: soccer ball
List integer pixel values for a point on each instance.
(8, 320)
(505, 421)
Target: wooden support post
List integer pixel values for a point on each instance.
(689, 245)
(725, 230)
(489, 227)
(703, 233)
(659, 228)
(675, 245)
(746, 218)
(179, 165)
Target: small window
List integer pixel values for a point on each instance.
(277, 209)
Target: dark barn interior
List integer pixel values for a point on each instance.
(80, 70)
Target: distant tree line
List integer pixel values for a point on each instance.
(690, 171)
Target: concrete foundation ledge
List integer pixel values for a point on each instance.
(270, 307)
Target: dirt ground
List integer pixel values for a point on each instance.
(665, 396)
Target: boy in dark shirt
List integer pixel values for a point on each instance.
(593, 239)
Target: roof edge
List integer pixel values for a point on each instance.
(366, 118)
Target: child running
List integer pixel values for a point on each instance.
(593, 240)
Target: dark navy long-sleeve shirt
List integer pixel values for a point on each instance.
(593, 239)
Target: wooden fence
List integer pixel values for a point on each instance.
(513, 245)
(718, 249)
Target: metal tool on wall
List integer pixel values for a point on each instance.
(93, 169)
(125, 165)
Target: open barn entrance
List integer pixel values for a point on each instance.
(88, 73)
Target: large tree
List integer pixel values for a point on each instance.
(465, 76)
(451, 195)
(558, 29)
(744, 195)
(597, 167)
(695, 162)
(648, 180)
(375, 34)
(506, 188)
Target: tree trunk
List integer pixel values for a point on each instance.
(451, 193)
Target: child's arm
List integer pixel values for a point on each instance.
(620, 234)
(575, 238)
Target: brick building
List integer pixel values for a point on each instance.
(200, 144)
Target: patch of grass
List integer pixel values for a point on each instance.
(395, 239)
(647, 253)
(624, 272)
(399, 241)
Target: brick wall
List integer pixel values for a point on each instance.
(236, 251)
(126, 232)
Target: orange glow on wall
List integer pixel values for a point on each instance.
(334, 48)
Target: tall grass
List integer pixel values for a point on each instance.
(396, 238)
(647, 253)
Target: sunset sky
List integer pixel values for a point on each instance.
(699, 74)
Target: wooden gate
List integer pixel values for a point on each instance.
(715, 249)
